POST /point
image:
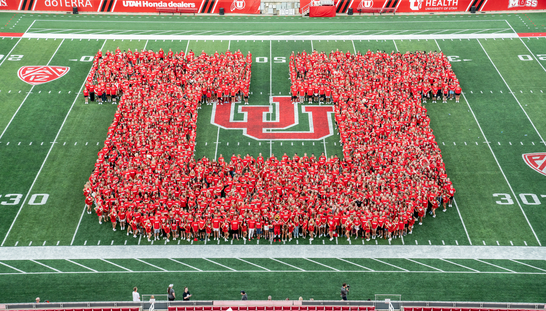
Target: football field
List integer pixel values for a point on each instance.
(49, 139)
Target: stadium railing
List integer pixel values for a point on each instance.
(275, 305)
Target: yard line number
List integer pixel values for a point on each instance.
(15, 198)
(526, 58)
(526, 198)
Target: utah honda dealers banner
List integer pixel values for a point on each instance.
(133, 6)
(431, 6)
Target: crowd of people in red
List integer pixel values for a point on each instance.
(147, 179)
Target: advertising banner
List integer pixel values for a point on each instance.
(504, 5)
(136, 6)
(10, 4)
(428, 6)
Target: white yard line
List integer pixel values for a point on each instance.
(5, 264)
(355, 264)
(279, 271)
(286, 264)
(318, 263)
(53, 144)
(283, 22)
(420, 263)
(461, 217)
(145, 44)
(41, 264)
(78, 226)
(270, 89)
(354, 48)
(500, 168)
(79, 264)
(386, 263)
(217, 143)
(394, 41)
(513, 94)
(185, 264)
(221, 265)
(534, 56)
(115, 264)
(149, 264)
(29, 92)
(9, 53)
(439, 48)
(240, 36)
(28, 193)
(485, 262)
(251, 263)
(454, 263)
(528, 265)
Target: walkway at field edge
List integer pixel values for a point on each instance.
(275, 251)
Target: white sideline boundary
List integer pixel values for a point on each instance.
(34, 35)
(273, 252)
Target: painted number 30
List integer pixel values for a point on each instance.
(14, 199)
(526, 198)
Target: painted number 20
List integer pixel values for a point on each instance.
(526, 198)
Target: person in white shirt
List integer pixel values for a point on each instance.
(136, 295)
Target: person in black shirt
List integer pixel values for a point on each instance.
(186, 295)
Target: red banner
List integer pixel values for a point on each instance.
(10, 4)
(322, 11)
(149, 6)
(504, 5)
(427, 6)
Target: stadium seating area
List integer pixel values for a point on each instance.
(275, 308)
(392, 171)
(86, 309)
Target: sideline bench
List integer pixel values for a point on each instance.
(376, 10)
(177, 10)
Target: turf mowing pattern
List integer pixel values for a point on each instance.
(488, 69)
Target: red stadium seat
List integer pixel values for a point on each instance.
(311, 308)
(207, 308)
(436, 309)
(260, 308)
(328, 308)
(278, 308)
(286, 308)
(337, 308)
(320, 308)
(216, 309)
(268, 308)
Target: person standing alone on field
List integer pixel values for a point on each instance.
(136, 295)
(170, 293)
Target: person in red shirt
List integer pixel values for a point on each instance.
(167, 229)
(156, 223)
(216, 227)
(113, 215)
(234, 229)
(311, 229)
(251, 228)
(458, 91)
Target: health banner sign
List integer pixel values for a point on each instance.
(428, 6)
(135, 6)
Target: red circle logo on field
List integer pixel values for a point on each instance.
(536, 161)
(35, 75)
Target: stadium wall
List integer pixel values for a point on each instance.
(253, 6)
(280, 305)
(430, 6)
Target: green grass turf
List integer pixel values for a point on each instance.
(339, 264)
(168, 264)
(472, 167)
(27, 266)
(63, 265)
(318, 285)
(442, 265)
(270, 264)
(133, 264)
(406, 264)
(477, 265)
(98, 265)
(514, 266)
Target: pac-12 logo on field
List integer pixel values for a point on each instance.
(35, 75)
(536, 161)
(237, 5)
(256, 125)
